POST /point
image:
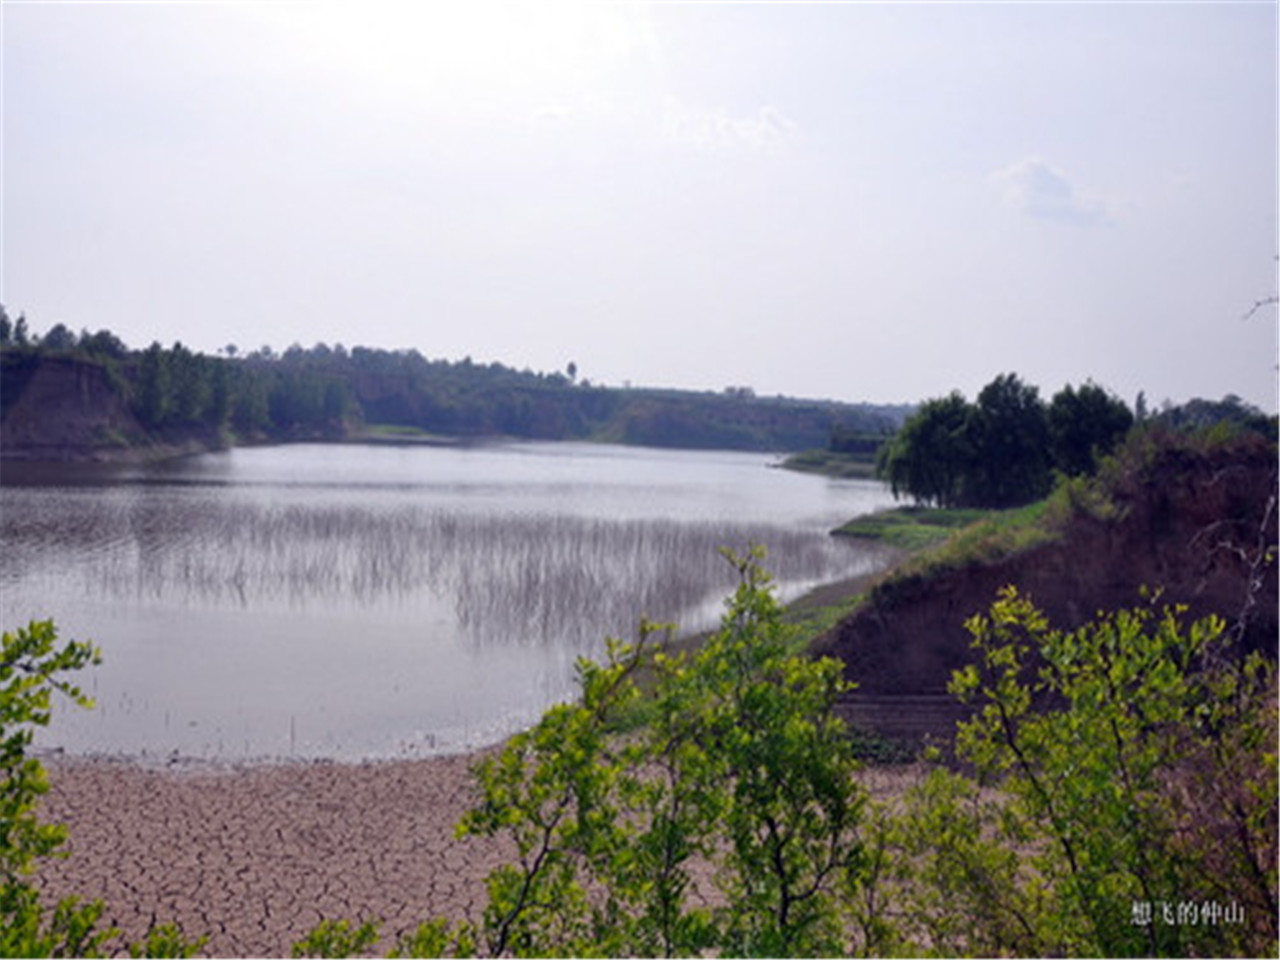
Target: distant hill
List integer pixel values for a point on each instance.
(92, 398)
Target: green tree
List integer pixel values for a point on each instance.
(993, 453)
(337, 938)
(30, 669)
(1201, 414)
(218, 411)
(153, 399)
(104, 343)
(1084, 425)
(58, 337)
(1009, 433)
(791, 809)
(189, 385)
(932, 456)
(250, 413)
(844, 439)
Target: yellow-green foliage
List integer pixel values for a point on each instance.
(1124, 777)
(32, 667)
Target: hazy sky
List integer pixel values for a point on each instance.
(876, 202)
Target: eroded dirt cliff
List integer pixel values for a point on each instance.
(1196, 521)
(61, 409)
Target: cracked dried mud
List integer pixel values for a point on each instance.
(255, 857)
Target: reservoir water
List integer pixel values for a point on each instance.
(352, 602)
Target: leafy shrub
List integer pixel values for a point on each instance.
(32, 667)
(742, 765)
(1125, 778)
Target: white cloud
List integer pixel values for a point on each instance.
(1043, 191)
(552, 114)
(765, 130)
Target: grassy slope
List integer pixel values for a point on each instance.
(952, 538)
(925, 540)
(909, 528)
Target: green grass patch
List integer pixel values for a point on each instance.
(829, 464)
(813, 622)
(399, 434)
(998, 534)
(393, 430)
(911, 528)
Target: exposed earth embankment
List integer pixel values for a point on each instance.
(61, 409)
(1195, 521)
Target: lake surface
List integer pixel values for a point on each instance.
(352, 602)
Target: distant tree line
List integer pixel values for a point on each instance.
(859, 443)
(1005, 449)
(175, 389)
(329, 391)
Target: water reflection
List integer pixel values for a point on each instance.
(430, 599)
(515, 578)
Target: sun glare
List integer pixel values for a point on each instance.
(469, 54)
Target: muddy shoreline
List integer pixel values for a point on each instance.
(254, 857)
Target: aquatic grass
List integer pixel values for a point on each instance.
(511, 578)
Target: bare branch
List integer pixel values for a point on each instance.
(1258, 305)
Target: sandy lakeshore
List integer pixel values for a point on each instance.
(256, 856)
